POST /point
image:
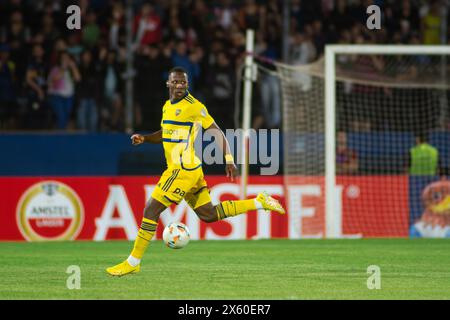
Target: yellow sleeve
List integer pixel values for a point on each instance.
(204, 117)
(162, 115)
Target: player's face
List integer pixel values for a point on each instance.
(178, 84)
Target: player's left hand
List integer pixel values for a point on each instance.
(137, 139)
(231, 170)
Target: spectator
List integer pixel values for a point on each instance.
(209, 29)
(91, 31)
(423, 158)
(59, 46)
(408, 19)
(61, 88)
(52, 7)
(147, 26)
(189, 62)
(175, 30)
(215, 48)
(340, 18)
(297, 15)
(202, 20)
(368, 68)
(117, 120)
(116, 29)
(7, 8)
(151, 65)
(270, 87)
(111, 85)
(271, 16)
(224, 13)
(87, 113)
(303, 50)
(17, 37)
(431, 24)
(222, 83)
(74, 47)
(8, 107)
(346, 158)
(250, 16)
(38, 115)
(318, 37)
(50, 33)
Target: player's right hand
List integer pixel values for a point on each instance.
(231, 171)
(137, 139)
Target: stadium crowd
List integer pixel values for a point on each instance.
(55, 78)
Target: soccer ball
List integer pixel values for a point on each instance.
(176, 235)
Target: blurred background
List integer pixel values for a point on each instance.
(108, 78)
(205, 37)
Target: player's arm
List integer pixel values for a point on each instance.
(352, 166)
(30, 80)
(407, 162)
(219, 138)
(155, 137)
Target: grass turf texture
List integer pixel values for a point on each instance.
(263, 269)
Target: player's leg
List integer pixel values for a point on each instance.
(169, 190)
(230, 208)
(154, 207)
(200, 201)
(152, 211)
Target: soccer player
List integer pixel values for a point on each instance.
(183, 179)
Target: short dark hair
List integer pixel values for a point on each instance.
(422, 136)
(177, 69)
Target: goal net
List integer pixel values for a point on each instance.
(350, 121)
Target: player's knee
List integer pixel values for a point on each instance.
(149, 213)
(208, 217)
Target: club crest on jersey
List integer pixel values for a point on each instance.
(177, 112)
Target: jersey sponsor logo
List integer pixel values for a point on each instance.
(49, 210)
(179, 191)
(177, 112)
(170, 131)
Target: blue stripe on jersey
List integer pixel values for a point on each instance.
(187, 169)
(178, 123)
(170, 200)
(192, 169)
(174, 141)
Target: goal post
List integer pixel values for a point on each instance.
(247, 110)
(333, 226)
(377, 99)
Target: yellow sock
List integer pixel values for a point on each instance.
(145, 234)
(233, 208)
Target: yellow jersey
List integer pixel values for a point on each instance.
(180, 124)
(432, 32)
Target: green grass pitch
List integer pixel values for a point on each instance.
(262, 269)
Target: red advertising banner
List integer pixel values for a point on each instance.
(100, 208)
